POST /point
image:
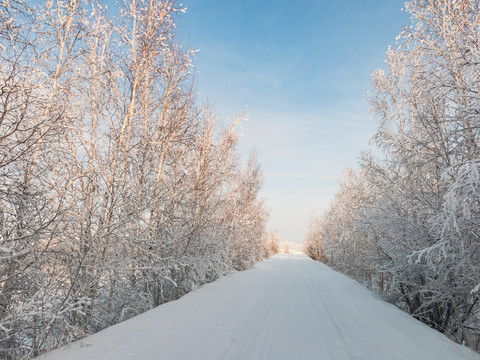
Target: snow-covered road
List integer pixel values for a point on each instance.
(288, 307)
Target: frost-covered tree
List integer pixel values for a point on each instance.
(416, 216)
(118, 192)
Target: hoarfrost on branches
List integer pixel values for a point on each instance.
(117, 190)
(408, 224)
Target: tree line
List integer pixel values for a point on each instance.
(407, 223)
(118, 190)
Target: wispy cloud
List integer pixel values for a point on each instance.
(301, 71)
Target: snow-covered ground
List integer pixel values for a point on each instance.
(288, 307)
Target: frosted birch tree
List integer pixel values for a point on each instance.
(115, 184)
(419, 212)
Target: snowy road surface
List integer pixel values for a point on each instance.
(288, 307)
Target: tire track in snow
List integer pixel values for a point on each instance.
(287, 307)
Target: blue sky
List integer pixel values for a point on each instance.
(300, 70)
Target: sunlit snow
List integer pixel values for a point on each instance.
(288, 307)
